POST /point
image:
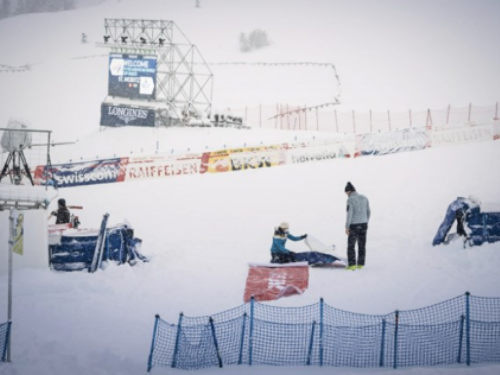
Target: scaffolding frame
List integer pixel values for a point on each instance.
(184, 81)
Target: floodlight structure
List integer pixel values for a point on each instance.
(14, 142)
(183, 80)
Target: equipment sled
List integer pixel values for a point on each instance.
(87, 249)
(476, 223)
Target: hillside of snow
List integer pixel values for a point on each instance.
(200, 231)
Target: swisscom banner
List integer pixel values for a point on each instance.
(83, 173)
(115, 115)
(132, 76)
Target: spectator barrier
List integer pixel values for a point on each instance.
(131, 168)
(464, 329)
(4, 340)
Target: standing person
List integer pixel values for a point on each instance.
(356, 226)
(279, 253)
(62, 214)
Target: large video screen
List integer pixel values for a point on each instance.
(132, 76)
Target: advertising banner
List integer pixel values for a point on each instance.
(132, 76)
(158, 166)
(119, 115)
(384, 143)
(243, 158)
(268, 284)
(443, 136)
(82, 173)
(18, 233)
(315, 151)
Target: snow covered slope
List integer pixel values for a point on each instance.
(200, 231)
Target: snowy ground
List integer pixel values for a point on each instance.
(201, 231)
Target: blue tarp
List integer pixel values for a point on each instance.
(75, 252)
(316, 258)
(479, 227)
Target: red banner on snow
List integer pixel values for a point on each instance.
(267, 284)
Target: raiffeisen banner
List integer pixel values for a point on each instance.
(82, 173)
(132, 76)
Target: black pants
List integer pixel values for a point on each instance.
(357, 233)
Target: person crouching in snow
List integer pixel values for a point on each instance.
(279, 253)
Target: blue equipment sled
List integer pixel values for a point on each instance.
(473, 225)
(87, 249)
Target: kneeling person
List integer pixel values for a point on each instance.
(279, 253)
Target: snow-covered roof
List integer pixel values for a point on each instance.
(25, 196)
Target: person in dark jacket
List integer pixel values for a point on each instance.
(62, 214)
(279, 253)
(356, 226)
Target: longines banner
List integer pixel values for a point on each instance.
(116, 115)
(132, 76)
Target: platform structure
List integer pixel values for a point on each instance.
(183, 80)
(20, 148)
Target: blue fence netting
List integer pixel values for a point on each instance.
(464, 329)
(4, 340)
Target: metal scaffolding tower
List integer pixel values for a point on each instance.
(183, 79)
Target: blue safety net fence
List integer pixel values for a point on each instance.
(465, 329)
(4, 340)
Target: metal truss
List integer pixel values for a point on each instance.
(184, 80)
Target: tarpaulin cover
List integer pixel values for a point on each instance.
(267, 284)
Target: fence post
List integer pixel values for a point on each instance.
(287, 117)
(448, 114)
(428, 121)
(470, 110)
(298, 113)
(411, 124)
(382, 344)
(240, 357)
(212, 328)
(317, 120)
(153, 342)
(311, 341)
(389, 119)
(277, 117)
(305, 116)
(461, 339)
(176, 348)
(396, 328)
(250, 336)
(321, 331)
(3, 357)
(496, 112)
(467, 325)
